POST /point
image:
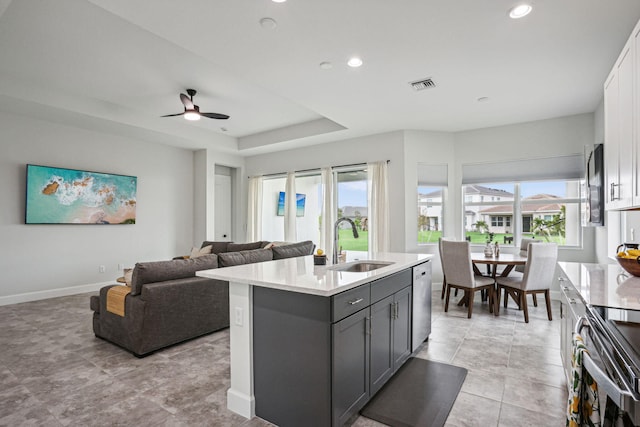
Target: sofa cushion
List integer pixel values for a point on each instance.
(229, 259)
(160, 271)
(293, 250)
(216, 247)
(236, 247)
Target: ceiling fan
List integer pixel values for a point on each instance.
(192, 111)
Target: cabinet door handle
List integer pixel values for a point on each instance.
(423, 273)
(367, 326)
(561, 279)
(613, 191)
(572, 301)
(355, 301)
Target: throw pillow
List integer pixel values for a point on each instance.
(195, 252)
(128, 273)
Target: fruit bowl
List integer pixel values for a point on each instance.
(630, 265)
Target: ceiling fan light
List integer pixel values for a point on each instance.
(192, 115)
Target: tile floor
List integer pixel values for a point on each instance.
(54, 372)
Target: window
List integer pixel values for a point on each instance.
(432, 183)
(490, 220)
(552, 209)
(429, 214)
(548, 210)
(353, 204)
(350, 190)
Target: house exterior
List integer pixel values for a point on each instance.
(480, 194)
(500, 218)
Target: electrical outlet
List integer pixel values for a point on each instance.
(102, 269)
(238, 316)
(120, 266)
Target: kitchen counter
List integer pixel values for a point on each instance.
(300, 275)
(606, 285)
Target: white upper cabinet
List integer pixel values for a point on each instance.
(621, 105)
(636, 114)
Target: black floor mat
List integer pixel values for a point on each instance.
(421, 393)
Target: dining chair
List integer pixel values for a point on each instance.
(536, 279)
(457, 267)
(444, 278)
(524, 247)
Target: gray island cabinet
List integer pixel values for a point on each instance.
(318, 360)
(310, 345)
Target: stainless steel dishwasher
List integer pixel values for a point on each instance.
(421, 323)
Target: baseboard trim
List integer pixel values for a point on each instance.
(52, 293)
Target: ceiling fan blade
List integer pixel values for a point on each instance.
(215, 116)
(188, 103)
(172, 115)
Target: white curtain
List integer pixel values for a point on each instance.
(254, 210)
(328, 212)
(378, 206)
(290, 208)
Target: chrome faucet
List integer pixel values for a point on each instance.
(335, 236)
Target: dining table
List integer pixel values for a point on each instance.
(506, 259)
(509, 260)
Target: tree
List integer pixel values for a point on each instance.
(481, 226)
(339, 213)
(358, 220)
(423, 222)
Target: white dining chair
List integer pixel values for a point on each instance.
(524, 247)
(444, 278)
(536, 279)
(457, 267)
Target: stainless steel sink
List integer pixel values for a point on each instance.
(360, 266)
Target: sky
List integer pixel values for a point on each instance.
(352, 193)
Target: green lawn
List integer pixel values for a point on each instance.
(348, 243)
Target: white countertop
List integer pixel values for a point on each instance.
(300, 275)
(606, 285)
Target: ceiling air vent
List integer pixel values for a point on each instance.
(422, 84)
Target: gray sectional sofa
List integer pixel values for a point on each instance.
(168, 304)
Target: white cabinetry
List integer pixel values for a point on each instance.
(622, 106)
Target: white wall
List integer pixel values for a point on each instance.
(39, 261)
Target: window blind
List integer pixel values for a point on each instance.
(433, 175)
(559, 167)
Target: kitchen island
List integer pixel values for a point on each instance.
(311, 344)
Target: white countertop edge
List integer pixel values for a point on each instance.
(358, 278)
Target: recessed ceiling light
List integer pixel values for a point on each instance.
(483, 99)
(268, 23)
(326, 65)
(278, 1)
(354, 62)
(520, 11)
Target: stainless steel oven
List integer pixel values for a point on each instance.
(613, 339)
